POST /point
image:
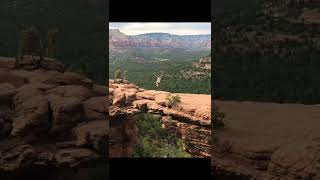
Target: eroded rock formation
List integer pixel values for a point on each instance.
(49, 117)
(191, 120)
(268, 141)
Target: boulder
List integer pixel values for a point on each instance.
(26, 92)
(100, 90)
(96, 108)
(52, 64)
(118, 97)
(93, 134)
(142, 104)
(66, 112)
(130, 95)
(43, 114)
(72, 157)
(80, 92)
(32, 116)
(19, 156)
(7, 91)
(69, 78)
(11, 78)
(28, 62)
(110, 90)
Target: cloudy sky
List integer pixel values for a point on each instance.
(172, 28)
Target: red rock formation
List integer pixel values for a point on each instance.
(268, 141)
(49, 117)
(191, 119)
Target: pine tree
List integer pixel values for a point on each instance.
(52, 38)
(28, 41)
(125, 75)
(117, 74)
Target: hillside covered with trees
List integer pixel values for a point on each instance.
(179, 72)
(80, 41)
(268, 52)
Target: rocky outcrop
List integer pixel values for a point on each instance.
(268, 141)
(203, 63)
(190, 119)
(201, 68)
(49, 117)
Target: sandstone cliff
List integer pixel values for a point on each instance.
(49, 117)
(268, 141)
(191, 120)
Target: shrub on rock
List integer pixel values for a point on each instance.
(172, 100)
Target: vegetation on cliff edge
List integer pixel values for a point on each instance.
(154, 141)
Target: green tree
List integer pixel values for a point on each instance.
(125, 75)
(155, 141)
(28, 41)
(117, 74)
(52, 40)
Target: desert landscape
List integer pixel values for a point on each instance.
(160, 90)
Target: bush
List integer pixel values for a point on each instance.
(117, 74)
(154, 141)
(29, 41)
(51, 40)
(172, 100)
(125, 75)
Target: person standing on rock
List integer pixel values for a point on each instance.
(158, 80)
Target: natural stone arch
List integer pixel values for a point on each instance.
(192, 120)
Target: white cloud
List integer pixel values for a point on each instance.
(172, 28)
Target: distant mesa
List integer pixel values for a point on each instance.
(119, 41)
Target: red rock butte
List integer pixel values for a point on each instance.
(191, 119)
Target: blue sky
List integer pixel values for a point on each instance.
(172, 28)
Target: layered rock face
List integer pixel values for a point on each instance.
(191, 120)
(49, 117)
(268, 141)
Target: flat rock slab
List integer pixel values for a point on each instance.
(267, 139)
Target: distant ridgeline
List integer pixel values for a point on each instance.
(81, 38)
(183, 60)
(179, 75)
(271, 52)
(119, 42)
